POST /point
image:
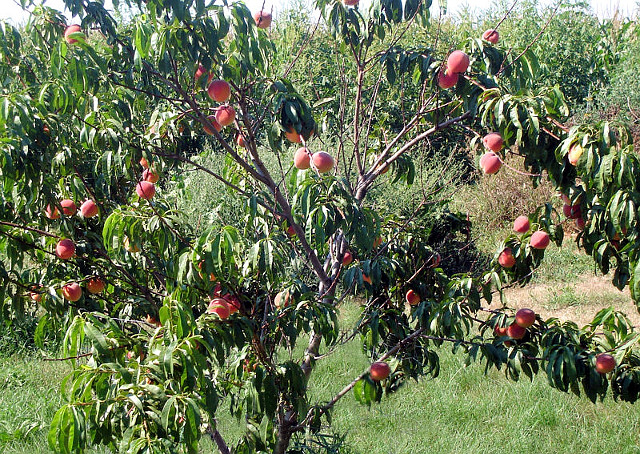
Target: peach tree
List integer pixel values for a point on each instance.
(165, 321)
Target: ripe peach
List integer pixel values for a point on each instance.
(580, 223)
(515, 331)
(150, 176)
(52, 212)
(605, 363)
(293, 136)
(144, 163)
(151, 320)
(525, 317)
(521, 224)
(225, 115)
(458, 62)
(302, 159)
(89, 209)
(95, 285)
(240, 140)
(572, 211)
(145, 190)
(447, 79)
(506, 258)
(540, 240)
(500, 330)
(350, 2)
(35, 296)
(347, 258)
(291, 231)
(282, 299)
(575, 151)
(65, 249)
(262, 19)
(72, 291)
(68, 207)
(412, 297)
(75, 28)
(201, 71)
(490, 163)
(377, 242)
(493, 141)
(491, 35)
(219, 90)
(217, 126)
(219, 306)
(322, 161)
(379, 371)
(367, 279)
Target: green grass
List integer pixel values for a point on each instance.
(461, 411)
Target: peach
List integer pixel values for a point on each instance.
(89, 209)
(217, 126)
(219, 90)
(350, 2)
(516, 331)
(69, 207)
(458, 62)
(144, 163)
(65, 249)
(521, 224)
(322, 161)
(145, 190)
(225, 115)
(491, 35)
(379, 371)
(447, 79)
(580, 223)
(71, 29)
(282, 299)
(52, 212)
(367, 279)
(150, 176)
(493, 141)
(201, 71)
(525, 317)
(72, 291)
(240, 140)
(219, 306)
(500, 330)
(605, 363)
(412, 297)
(291, 231)
(302, 159)
(347, 258)
(490, 163)
(262, 19)
(575, 151)
(540, 240)
(95, 285)
(572, 211)
(506, 258)
(293, 136)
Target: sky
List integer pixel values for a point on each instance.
(12, 11)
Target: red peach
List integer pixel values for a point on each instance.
(89, 209)
(525, 317)
(458, 62)
(521, 224)
(540, 240)
(65, 249)
(490, 163)
(145, 190)
(219, 90)
(225, 115)
(302, 159)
